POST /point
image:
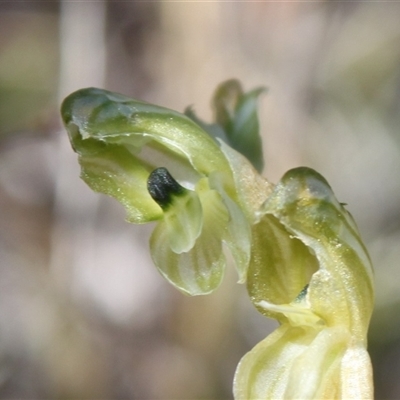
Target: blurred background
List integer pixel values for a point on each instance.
(83, 312)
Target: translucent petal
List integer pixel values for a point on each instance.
(183, 221)
(251, 189)
(295, 363)
(199, 270)
(297, 313)
(116, 172)
(341, 291)
(356, 374)
(238, 234)
(280, 267)
(112, 118)
(238, 237)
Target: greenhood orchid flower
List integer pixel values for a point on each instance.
(295, 245)
(311, 272)
(164, 167)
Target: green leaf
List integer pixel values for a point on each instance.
(236, 120)
(236, 113)
(214, 130)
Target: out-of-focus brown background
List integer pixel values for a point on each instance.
(83, 312)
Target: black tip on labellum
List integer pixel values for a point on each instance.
(162, 187)
(302, 294)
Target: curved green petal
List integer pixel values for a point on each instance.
(305, 363)
(341, 291)
(183, 221)
(199, 270)
(114, 171)
(238, 234)
(113, 118)
(280, 267)
(251, 189)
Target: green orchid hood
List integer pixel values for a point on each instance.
(133, 150)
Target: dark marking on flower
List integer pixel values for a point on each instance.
(162, 187)
(302, 294)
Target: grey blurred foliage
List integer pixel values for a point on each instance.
(83, 313)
